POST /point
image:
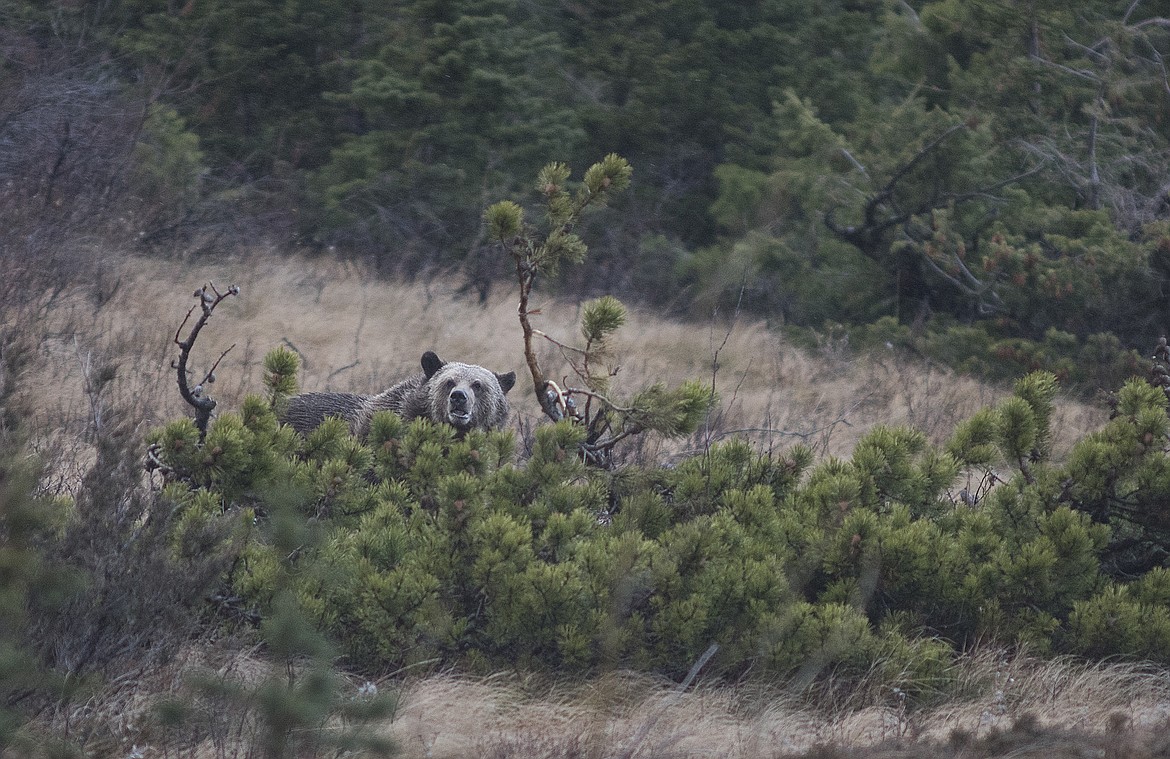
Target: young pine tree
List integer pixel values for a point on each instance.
(540, 251)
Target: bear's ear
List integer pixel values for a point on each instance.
(431, 363)
(506, 381)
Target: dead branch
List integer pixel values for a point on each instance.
(341, 369)
(882, 213)
(867, 237)
(197, 397)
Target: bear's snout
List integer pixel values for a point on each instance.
(458, 400)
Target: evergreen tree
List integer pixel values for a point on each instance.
(451, 103)
(671, 412)
(248, 75)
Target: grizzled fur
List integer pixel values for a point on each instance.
(465, 396)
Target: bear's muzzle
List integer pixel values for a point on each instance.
(457, 407)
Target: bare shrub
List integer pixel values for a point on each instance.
(67, 139)
(143, 595)
(143, 582)
(66, 153)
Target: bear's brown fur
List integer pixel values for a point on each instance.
(466, 396)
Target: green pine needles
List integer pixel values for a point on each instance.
(540, 252)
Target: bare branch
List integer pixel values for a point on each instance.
(986, 298)
(600, 397)
(525, 274)
(920, 156)
(1081, 73)
(92, 386)
(856, 164)
(197, 397)
(341, 369)
(1129, 11)
(868, 236)
(1162, 22)
(558, 343)
(986, 192)
(1094, 51)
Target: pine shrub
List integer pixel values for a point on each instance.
(440, 551)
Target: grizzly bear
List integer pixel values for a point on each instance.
(466, 396)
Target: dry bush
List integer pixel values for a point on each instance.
(140, 596)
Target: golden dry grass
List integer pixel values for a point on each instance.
(621, 714)
(356, 333)
(624, 715)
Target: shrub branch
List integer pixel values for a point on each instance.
(197, 397)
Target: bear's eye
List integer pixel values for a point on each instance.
(477, 386)
(449, 384)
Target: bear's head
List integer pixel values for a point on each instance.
(466, 396)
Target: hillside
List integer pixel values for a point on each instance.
(873, 461)
(982, 181)
(356, 332)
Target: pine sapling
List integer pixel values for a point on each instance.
(586, 400)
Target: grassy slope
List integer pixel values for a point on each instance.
(359, 334)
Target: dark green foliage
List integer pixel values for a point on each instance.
(253, 72)
(280, 374)
(1098, 361)
(447, 103)
(986, 181)
(169, 166)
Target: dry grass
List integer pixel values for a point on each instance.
(623, 715)
(355, 333)
(445, 716)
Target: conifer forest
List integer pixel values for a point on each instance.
(977, 189)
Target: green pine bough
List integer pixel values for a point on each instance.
(540, 251)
